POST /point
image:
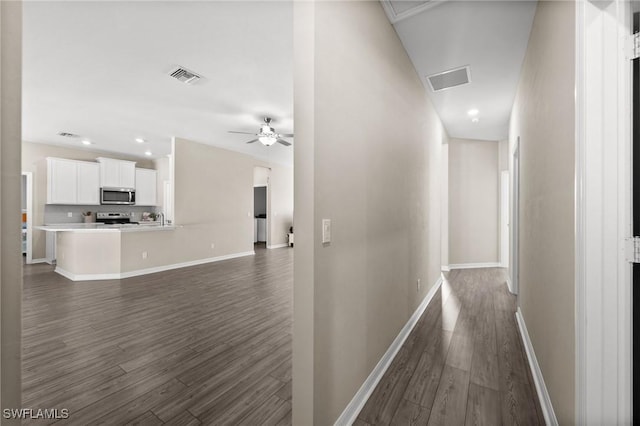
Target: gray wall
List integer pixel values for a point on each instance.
(368, 152)
(473, 201)
(543, 117)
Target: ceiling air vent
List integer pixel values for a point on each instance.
(68, 135)
(185, 76)
(448, 79)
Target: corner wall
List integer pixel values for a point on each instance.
(368, 153)
(543, 117)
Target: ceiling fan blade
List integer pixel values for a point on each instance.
(252, 141)
(283, 142)
(242, 133)
(287, 135)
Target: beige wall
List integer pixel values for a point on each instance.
(88, 252)
(214, 194)
(473, 201)
(34, 159)
(368, 148)
(280, 204)
(444, 207)
(543, 118)
(10, 257)
(213, 200)
(503, 155)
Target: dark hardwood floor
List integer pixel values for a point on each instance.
(463, 364)
(209, 344)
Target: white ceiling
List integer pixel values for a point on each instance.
(489, 36)
(99, 70)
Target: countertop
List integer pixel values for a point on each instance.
(100, 227)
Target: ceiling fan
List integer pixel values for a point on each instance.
(267, 135)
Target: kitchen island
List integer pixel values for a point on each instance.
(95, 251)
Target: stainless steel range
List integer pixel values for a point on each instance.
(114, 218)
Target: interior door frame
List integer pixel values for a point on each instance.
(603, 366)
(504, 227)
(514, 259)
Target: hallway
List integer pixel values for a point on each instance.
(463, 363)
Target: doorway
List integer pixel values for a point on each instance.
(261, 207)
(27, 216)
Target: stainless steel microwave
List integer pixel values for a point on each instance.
(126, 196)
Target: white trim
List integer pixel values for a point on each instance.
(475, 265)
(40, 260)
(121, 275)
(352, 409)
(510, 285)
(543, 395)
(603, 347)
(445, 268)
(275, 246)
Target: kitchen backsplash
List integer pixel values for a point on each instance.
(54, 214)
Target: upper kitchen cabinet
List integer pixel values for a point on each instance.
(72, 182)
(117, 173)
(145, 187)
(88, 183)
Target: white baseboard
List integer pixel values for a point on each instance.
(445, 268)
(121, 275)
(510, 285)
(474, 265)
(275, 246)
(351, 411)
(42, 260)
(545, 400)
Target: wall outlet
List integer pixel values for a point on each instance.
(213, 245)
(70, 214)
(144, 254)
(418, 284)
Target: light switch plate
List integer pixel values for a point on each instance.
(326, 231)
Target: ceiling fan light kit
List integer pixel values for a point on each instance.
(267, 135)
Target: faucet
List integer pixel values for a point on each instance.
(162, 218)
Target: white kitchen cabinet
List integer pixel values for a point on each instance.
(145, 187)
(117, 173)
(62, 176)
(72, 182)
(88, 183)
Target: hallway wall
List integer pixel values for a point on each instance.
(368, 147)
(543, 117)
(473, 201)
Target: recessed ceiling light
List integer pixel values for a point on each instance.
(140, 140)
(475, 120)
(148, 153)
(473, 112)
(86, 142)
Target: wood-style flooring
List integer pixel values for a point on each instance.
(463, 364)
(209, 344)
